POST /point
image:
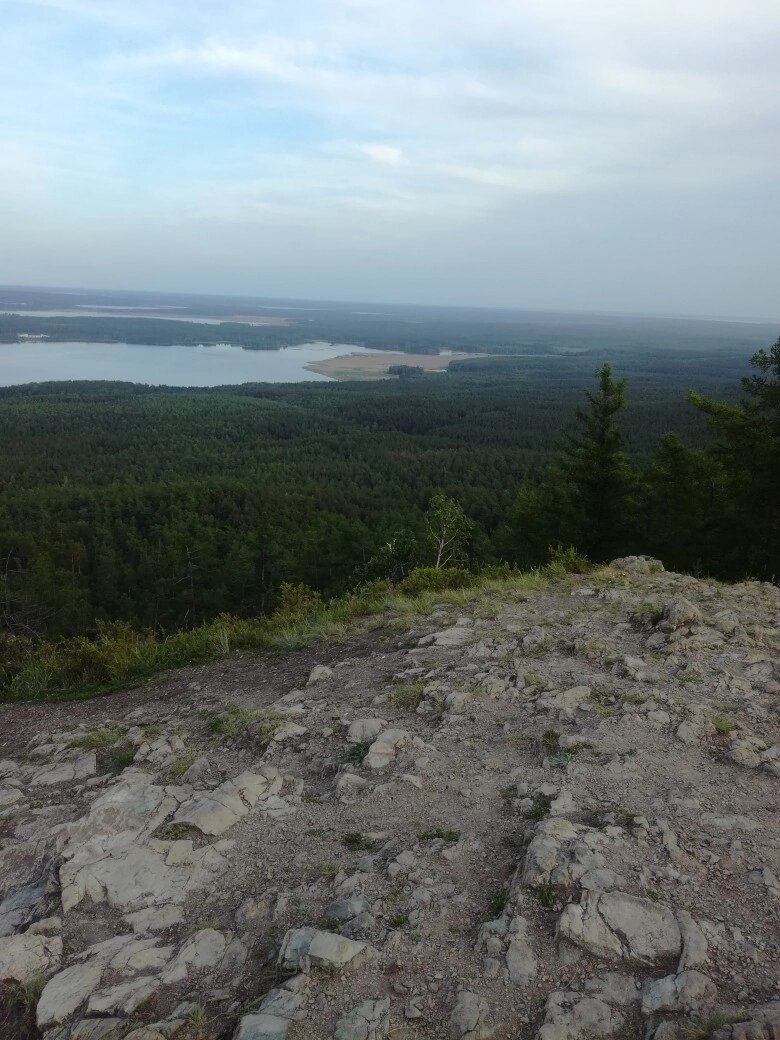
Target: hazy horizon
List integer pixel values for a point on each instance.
(608, 158)
(281, 300)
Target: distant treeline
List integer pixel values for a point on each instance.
(426, 334)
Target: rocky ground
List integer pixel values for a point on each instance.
(550, 815)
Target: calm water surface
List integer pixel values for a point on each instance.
(38, 362)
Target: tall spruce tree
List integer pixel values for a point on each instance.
(596, 474)
(747, 447)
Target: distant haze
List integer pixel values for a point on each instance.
(611, 155)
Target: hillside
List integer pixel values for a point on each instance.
(543, 812)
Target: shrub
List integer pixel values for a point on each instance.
(297, 603)
(564, 559)
(435, 579)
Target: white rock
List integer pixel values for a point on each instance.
(155, 918)
(349, 786)
(25, 957)
(205, 949)
(383, 750)
(690, 993)
(64, 772)
(563, 805)
(369, 1020)
(303, 948)
(214, 812)
(124, 998)
(694, 943)
(141, 955)
(136, 877)
(128, 811)
(614, 924)
(520, 960)
(262, 1026)
(568, 701)
(679, 613)
(64, 993)
(289, 731)
(573, 1016)
(468, 1018)
(318, 673)
(362, 730)
(9, 796)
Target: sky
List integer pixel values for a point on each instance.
(618, 155)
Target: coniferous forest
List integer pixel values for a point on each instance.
(164, 508)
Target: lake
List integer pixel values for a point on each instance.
(39, 362)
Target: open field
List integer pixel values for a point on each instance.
(376, 366)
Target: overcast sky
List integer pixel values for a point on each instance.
(618, 155)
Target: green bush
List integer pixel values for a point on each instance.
(564, 559)
(433, 579)
(297, 602)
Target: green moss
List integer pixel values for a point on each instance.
(723, 726)
(546, 895)
(179, 766)
(98, 739)
(550, 740)
(541, 807)
(407, 695)
(434, 833)
(356, 841)
(175, 831)
(355, 753)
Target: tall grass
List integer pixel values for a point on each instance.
(71, 669)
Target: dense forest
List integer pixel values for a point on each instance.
(165, 507)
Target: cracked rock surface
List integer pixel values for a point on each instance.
(544, 814)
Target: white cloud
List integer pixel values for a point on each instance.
(383, 153)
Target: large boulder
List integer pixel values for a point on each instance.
(615, 924)
(304, 948)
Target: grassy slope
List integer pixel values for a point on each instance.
(79, 668)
